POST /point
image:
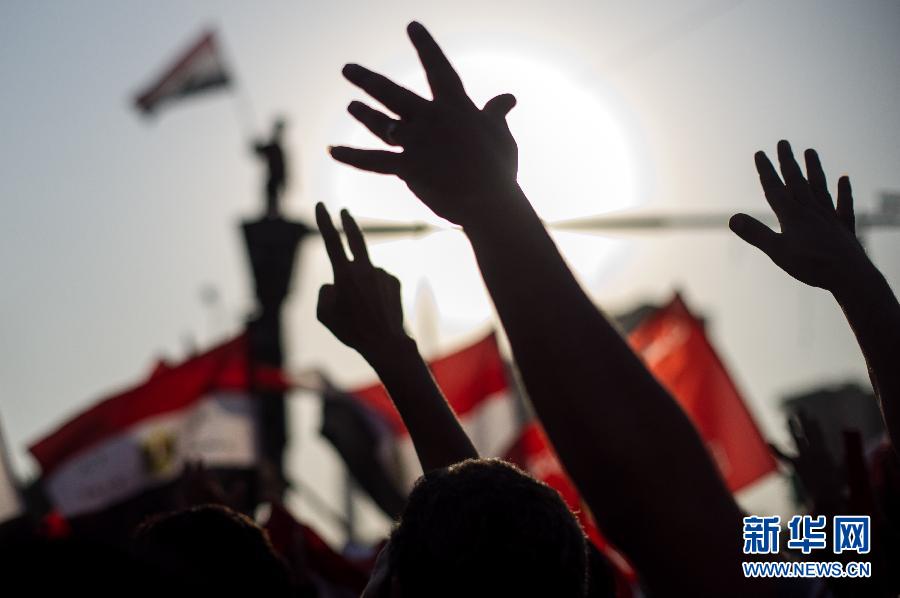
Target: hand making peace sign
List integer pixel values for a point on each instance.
(362, 308)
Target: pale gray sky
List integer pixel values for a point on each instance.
(111, 225)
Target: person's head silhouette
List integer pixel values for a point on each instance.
(482, 528)
(210, 550)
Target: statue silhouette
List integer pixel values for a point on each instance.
(273, 154)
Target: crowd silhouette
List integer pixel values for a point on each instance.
(478, 527)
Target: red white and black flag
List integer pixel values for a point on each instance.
(200, 68)
(473, 380)
(199, 410)
(363, 439)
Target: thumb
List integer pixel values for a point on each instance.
(499, 106)
(326, 303)
(755, 233)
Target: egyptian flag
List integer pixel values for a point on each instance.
(200, 68)
(364, 441)
(199, 410)
(673, 344)
(473, 379)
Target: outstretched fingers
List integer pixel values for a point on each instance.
(380, 124)
(756, 233)
(332, 240)
(817, 181)
(844, 207)
(796, 184)
(395, 98)
(380, 161)
(774, 190)
(355, 238)
(442, 77)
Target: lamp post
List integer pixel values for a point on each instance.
(272, 242)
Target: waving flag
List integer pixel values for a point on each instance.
(675, 348)
(363, 440)
(199, 69)
(473, 380)
(141, 438)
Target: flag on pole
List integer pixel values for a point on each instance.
(10, 502)
(201, 68)
(364, 441)
(141, 438)
(675, 348)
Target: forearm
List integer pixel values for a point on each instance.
(562, 343)
(436, 433)
(567, 351)
(627, 445)
(874, 315)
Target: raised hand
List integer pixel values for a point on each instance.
(461, 161)
(817, 244)
(362, 308)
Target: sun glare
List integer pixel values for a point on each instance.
(576, 154)
(577, 157)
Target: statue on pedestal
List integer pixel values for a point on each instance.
(272, 153)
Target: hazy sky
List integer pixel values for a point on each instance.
(112, 224)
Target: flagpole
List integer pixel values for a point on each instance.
(243, 110)
(243, 107)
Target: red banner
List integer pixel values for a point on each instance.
(674, 346)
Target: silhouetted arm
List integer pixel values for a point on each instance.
(632, 452)
(817, 245)
(363, 310)
(874, 315)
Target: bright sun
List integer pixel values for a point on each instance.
(577, 157)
